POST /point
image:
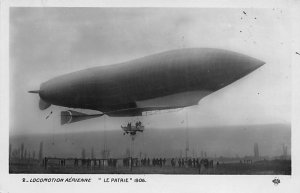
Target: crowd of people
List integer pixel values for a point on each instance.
(135, 162)
(159, 162)
(192, 162)
(174, 162)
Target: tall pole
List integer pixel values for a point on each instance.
(132, 146)
(105, 149)
(132, 152)
(187, 136)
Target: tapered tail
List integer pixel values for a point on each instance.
(70, 116)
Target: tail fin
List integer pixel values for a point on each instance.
(34, 91)
(43, 104)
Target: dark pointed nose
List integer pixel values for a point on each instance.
(252, 65)
(258, 63)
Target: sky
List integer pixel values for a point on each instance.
(47, 42)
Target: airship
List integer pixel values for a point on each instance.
(168, 80)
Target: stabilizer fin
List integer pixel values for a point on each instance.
(43, 105)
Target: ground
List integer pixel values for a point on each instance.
(282, 167)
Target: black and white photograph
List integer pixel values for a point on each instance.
(149, 90)
(174, 91)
